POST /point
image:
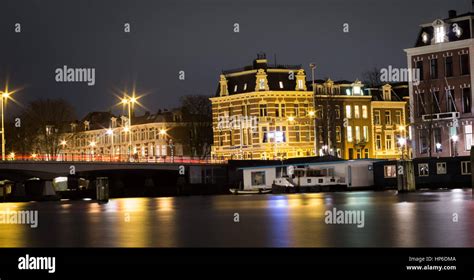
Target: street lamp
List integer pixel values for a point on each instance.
(130, 101)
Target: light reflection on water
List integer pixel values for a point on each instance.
(295, 220)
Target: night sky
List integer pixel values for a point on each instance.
(169, 36)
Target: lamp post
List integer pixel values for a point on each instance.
(313, 66)
(130, 101)
(5, 95)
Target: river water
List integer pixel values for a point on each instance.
(422, 219)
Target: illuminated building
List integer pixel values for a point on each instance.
(441, 101)
(263, 111)
(103, 136)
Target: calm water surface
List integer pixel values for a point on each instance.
(298, 220)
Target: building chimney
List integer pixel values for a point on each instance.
(452, 13)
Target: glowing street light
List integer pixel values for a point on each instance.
(12, 155)
(109, 132)
(311, 113)
(402, 141)
(5, 96)
(162, 132)
(291, 118)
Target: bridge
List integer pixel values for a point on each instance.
(122, 175)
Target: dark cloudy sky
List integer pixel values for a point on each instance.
(197, 36)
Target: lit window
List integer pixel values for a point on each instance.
(357, 131)
(441, 168)
(357, 90)
(235, 88)
(389, 171)
(439, 34)
(366, 133)
(468, 136)
(377, 117)
(349, 134)
(245, 86)
(424, 37)
(348, 111)
(364, 111)
(356, 111)
(281, 84)
(423, 169)
(262, 83)
(300, 84)
(348, 91)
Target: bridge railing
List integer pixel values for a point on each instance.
(118, 158)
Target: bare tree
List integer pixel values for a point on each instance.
(42, 123)
(371, 78)
(197, 113)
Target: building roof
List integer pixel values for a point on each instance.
(243, 80)
(453, 20)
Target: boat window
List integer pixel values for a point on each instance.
(320, 180)
(258, 178)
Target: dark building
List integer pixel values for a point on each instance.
(441, 110)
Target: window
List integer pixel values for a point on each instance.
(466, 100)
(398, 117)
(437, 140)
(366, 153)
(261, 84)
(451, 100)
(388, 118)
(263, 110)
(419, 66)
(356, 111)
(357, 131)
(423, 169)
(338, 111)
(364, 111)
(448, 66)
(436, 108)
(388, 142)
(282, 110)
(277, 111)
(245, 86)
(439, 33)
(296, 110)
(465, 167)
(300, 84)
(468, 136)
(258, 178)
(434, 68)
(365, 133)
(359, 151)
(378, 142)
(377, 117)
(390, 171)
(441, 168)
(348, 111)
(423, 143)
(351, 153)
(235, 88)
(338, 134)
(281, 84)
(264, 134)
(349, 134)
(464, 60)
(297, 134)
